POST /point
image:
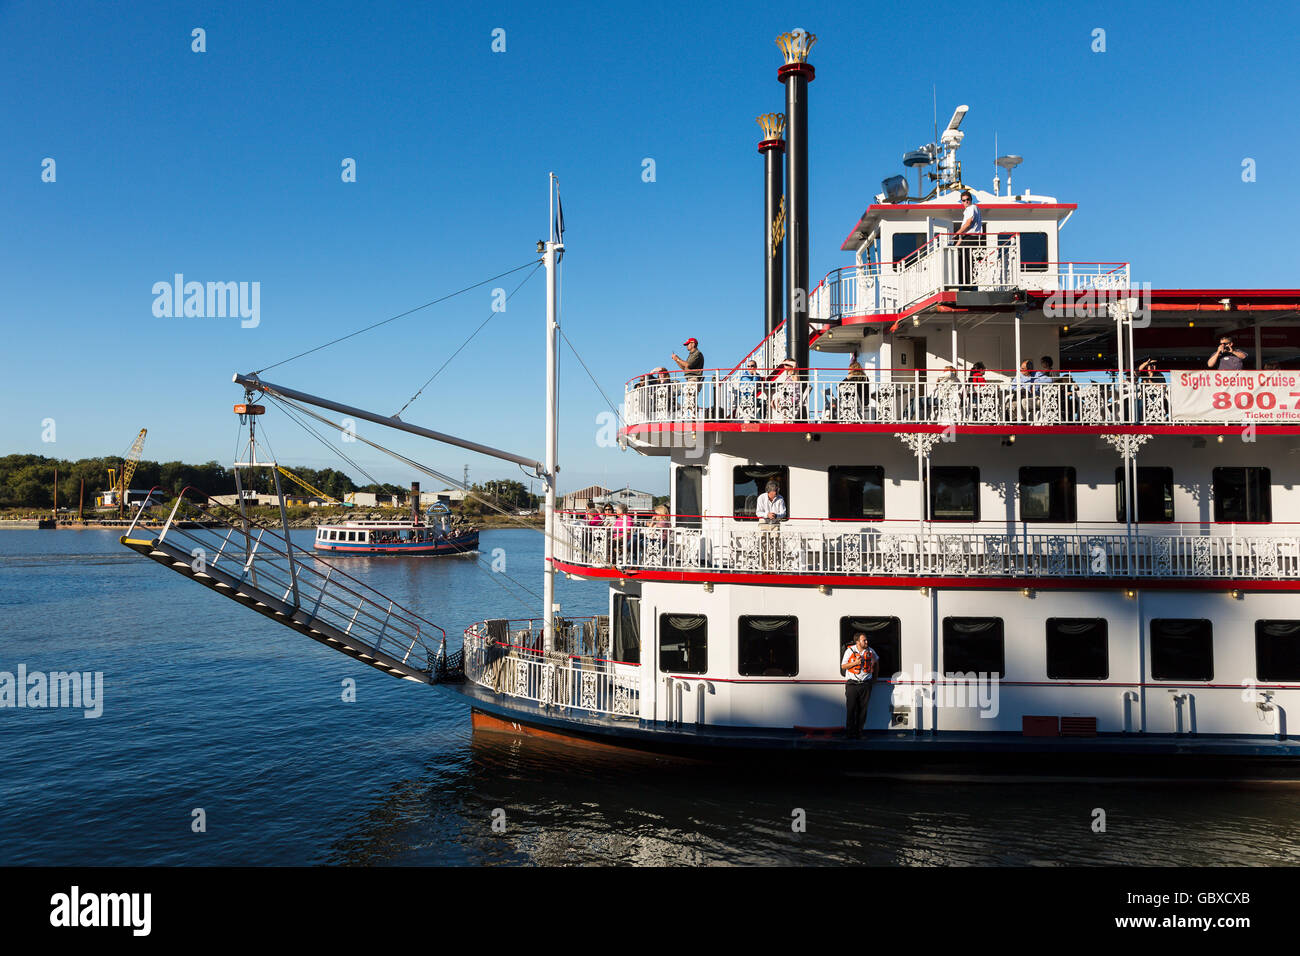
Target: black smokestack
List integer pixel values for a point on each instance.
(796, 74)
(773, 149)
(415, 502)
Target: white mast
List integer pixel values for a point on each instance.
(553, 247)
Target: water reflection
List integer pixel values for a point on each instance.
(570, 805)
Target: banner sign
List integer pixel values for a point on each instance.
(1209, 396)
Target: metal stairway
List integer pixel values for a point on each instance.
(261, 570)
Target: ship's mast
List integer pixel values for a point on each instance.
(553, 247)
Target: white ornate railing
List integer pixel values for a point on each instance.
(818, 547)
(826, 396)
(984, 262)
(555, 680)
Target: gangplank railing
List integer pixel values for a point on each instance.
(247, 557)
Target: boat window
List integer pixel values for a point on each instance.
(954, 493)
(1155, 494)
(627, 629)
(1033, 250)
(769, 646)
(751, 481)
(883, 637)
(973, 645)
(906, 244)
(856, 491)
(1277, 650)
(1076, 648)
(1242, 494)
(1182, 649)
(1047, 494)
(683, 643)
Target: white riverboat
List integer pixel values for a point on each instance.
(1096, 565)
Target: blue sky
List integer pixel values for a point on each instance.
(225, 166)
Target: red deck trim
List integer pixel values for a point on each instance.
(1227, 428)
(951, 583)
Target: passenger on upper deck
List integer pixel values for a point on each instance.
(693, 364)
(1026, 378)
(972, 224)
(1226, 358)
(977, 374)
(1048, 375)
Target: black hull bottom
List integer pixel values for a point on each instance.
(942, 756)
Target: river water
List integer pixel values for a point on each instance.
(208, 706)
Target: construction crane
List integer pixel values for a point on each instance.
(123, 484)
(315, 491)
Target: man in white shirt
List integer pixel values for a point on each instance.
(770, 511)
(770, 507)
(859, 665)
(972, 225)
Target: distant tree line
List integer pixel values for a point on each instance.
(27, 481)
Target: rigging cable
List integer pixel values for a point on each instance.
(450, 295)
(286, 404)
(612, 408)
(398, 414)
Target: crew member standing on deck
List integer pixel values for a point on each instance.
(972, 225)
(859, 666)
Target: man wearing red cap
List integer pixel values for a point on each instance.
(693, 364)
(693, 368)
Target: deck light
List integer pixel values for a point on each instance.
(1219, 439)
(925, 592)
(1130, 593)
(541, 246)
(1235, 594)
(708, 587)
(1027, 592)
(1191, 325)
(823, 589)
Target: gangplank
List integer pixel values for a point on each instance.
(262, 570)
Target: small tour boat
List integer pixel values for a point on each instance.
(433, 535)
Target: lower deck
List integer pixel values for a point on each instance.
(889, 751)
